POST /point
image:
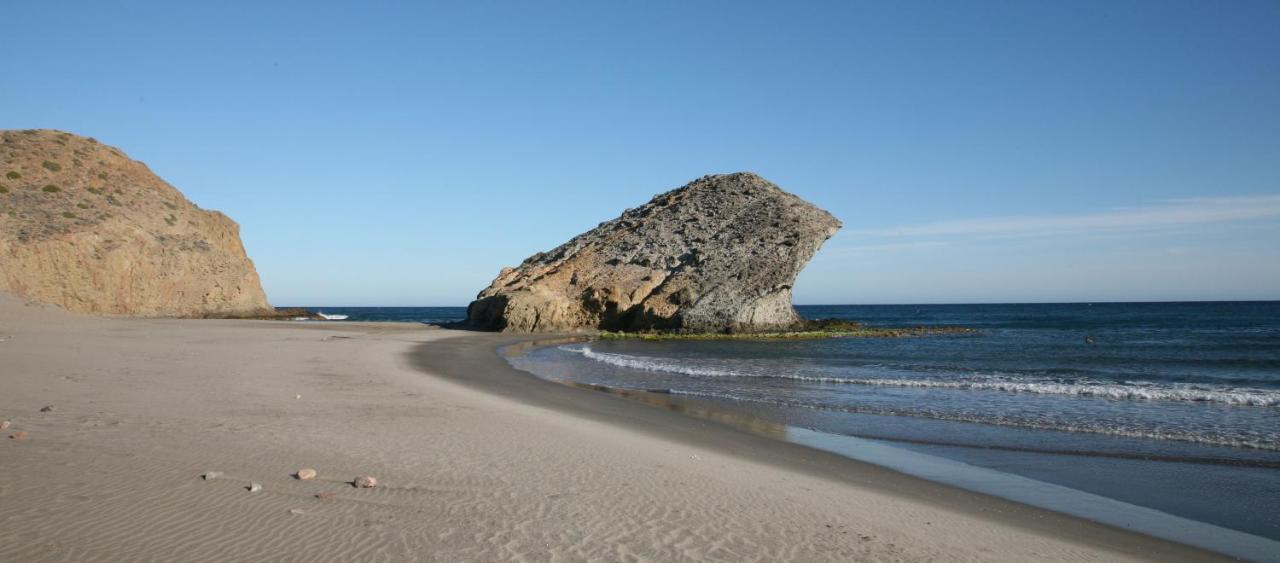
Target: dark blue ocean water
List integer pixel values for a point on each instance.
(1171, 406)
(429, 315)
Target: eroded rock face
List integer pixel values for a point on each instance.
(84, 227)
(720, 254)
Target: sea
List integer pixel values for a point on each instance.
(1153, 416)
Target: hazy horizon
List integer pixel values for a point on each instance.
(982, 152)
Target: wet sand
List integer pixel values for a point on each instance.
(476, 461)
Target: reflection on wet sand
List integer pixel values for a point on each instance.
(659, 397)
(662, 399)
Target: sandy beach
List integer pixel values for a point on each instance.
(475, 461)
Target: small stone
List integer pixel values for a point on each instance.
(365, 482)
(19, 435)
(212, 475)
(47, 408)
(296, 511)
(4, 425)
(305, 474)
(254, 487)
(296, 397)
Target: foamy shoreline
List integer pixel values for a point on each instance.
(475, 463)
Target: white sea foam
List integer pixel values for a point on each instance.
(1140, 391)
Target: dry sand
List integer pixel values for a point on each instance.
(466, 470)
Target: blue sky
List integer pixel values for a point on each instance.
(387, 153)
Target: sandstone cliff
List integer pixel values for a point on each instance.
(84, 227)
(717, 255)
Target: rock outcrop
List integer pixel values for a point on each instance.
(718, 255)
(84, 227)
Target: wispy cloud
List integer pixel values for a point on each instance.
(1163, 214)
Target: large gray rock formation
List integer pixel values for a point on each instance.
(84, 227)
(717, 255)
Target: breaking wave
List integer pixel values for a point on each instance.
(1134, 390)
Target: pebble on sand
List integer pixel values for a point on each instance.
(296, 511)
(46, 408)
(305, 474)
(4, 424)
(22, 435)
(254, 487)
(211, 475)
(365, 482)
